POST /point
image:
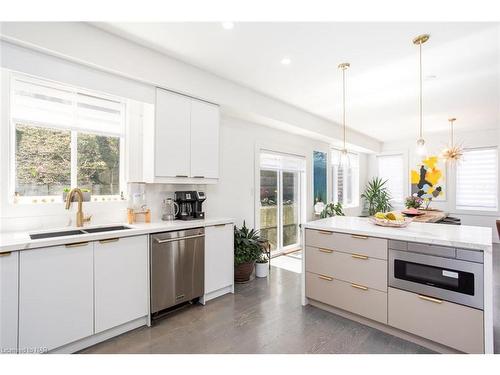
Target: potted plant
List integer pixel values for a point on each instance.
(332, 209)
(262, 266)
(85, 192)
(247, 250)
(413, 201)
(377, 196)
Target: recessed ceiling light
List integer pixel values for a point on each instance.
(286, 61)
(430, 77)
(228, 25)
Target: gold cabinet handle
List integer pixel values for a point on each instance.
(324, 232)
(357, 256)
(327, 278)
(359, 286)
(219, 225)
(430, 299)
(359, 237)
(323, 250)
(7, 253)
(107, 240)
(76, 244)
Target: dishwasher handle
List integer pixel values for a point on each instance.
(178, 238)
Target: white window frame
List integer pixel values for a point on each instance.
(74, 172)
(476, 209)
(405, 176)
(355, 189)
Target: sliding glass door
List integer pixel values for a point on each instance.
(281, 178)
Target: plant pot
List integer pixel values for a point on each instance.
(242, 272)
(86, 196)
(261, 269)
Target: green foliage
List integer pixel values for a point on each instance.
(332, 209)
(377, 197)
(248, 245)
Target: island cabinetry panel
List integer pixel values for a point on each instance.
(121, 281)
(8, 301)
(56, 292)
(351, 297)
(355, 268)
(447, 323)
(349, 243)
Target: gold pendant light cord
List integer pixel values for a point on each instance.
(343, 104)
(420, 98)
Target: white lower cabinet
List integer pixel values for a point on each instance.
(56, 290)
(121, 281)
(8, 301)
(219, 258)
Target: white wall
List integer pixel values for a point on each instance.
(435, 143)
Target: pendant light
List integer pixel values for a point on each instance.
(419, 40)
(452, 154)
(344, 155)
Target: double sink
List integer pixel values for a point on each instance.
(38, 236)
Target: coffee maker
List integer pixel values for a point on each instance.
(190, 205)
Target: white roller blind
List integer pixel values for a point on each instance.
(477, 180)
(391, 168)
(287, 162)
(57, 106)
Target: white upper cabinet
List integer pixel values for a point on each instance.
(204, 140)
(181, 145)
(56, 290)
(120, 281)
(172, 135)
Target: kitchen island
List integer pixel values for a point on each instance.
(427, 283)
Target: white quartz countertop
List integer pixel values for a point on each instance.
(464, 236)
(13, 241)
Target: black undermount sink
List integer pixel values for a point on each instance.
(105, 229)
(38, 236)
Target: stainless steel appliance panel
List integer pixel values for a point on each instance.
(475, 300)
(177, 267)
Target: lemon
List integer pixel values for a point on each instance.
(380, 215)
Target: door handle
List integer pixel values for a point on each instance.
(359, 286)
(328, 251)
(179, 238)
(430, 299)
(359, 237)
(76, 244)
(109, 240)
(357, 256)
(198, 176)
(181, 175)
(327, 278)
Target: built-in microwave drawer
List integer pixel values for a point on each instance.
(348, 243)
(355, 268)
(351, 297)
(450, 324)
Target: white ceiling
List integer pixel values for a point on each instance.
(382, 83)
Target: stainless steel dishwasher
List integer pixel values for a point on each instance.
(177, 268)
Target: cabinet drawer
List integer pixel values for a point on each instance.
(349, 243)
(447, 323)
(357, 299)
(359, 269)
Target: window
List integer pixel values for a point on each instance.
(345, 183)
(391, 168)
(65, 137)
(477, 180)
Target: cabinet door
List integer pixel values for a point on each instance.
(204, 140)
(55, 296)
(172, 140)
(8, 301)
(219, 257)
(121, 281)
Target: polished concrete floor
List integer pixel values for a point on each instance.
(265, 316)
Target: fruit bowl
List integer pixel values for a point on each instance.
(391, 223)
